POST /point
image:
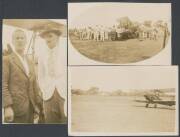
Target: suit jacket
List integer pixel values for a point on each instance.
(19, 90)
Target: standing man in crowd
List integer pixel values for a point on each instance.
(106, 33)
(89, 33)
(96, 33)
(81, 34)
(166, 34)
(102, 33)
(52, 68)
(20, 95)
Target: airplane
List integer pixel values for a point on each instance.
(155, 99)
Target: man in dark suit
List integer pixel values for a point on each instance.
(21, 101)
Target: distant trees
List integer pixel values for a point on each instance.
(90, 91)
(147, 23)
(159, 24)
(134, 92)
(116, 93)
(78, 92)
(133, 26)
(124, 22)
(93, 91)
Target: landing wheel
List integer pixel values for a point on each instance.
(147, 105)
(155, 105)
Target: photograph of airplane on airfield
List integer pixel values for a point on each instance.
(123, 100)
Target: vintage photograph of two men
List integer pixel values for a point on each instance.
(34, 71)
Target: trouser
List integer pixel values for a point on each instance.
(96, 36)
(54, 109)
(28, 117)
(102, 37)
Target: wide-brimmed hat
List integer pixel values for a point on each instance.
(50, 29)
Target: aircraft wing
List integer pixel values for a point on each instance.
(35, 24)
(141, 101)
(164, 102)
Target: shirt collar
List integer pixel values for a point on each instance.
(19, 56)
(53, 49)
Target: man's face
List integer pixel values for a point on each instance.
(19, 40)
(51, 39)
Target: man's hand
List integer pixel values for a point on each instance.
(36, 118)
(8, 114)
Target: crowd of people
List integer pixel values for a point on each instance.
(97, 33)
(102, 33)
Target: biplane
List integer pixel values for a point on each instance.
(155, 100)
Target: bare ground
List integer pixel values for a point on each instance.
(119, 114)
(128, 51)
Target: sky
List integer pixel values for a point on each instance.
(107, 13)
(109, 78)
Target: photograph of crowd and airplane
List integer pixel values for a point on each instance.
(120, 35)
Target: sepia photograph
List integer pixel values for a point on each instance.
(34, 73)
(123, 100)
(119, 33)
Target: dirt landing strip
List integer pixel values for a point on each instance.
(119, 114)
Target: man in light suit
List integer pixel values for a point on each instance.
(96, 33)
(21, 101)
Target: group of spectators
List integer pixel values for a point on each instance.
(102, 33)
